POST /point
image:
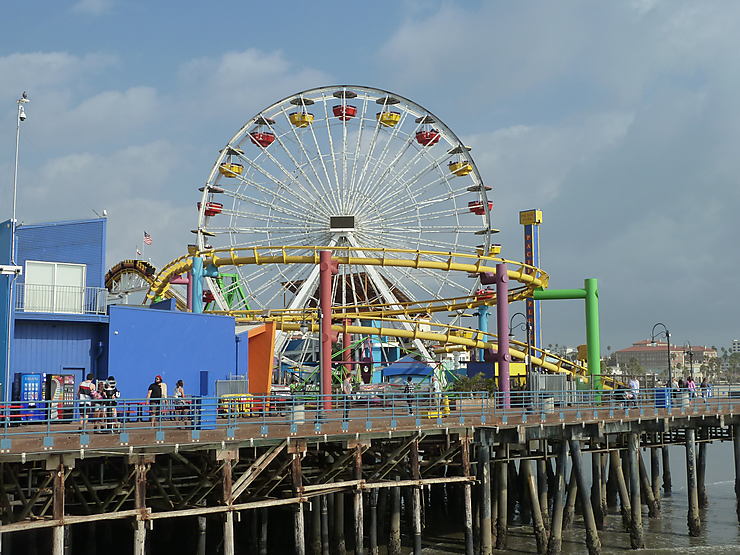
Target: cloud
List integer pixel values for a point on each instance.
(93, 7)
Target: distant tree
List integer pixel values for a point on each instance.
(634, 368)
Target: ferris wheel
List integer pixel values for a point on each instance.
(344, 166)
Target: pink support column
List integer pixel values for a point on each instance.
(327, 268)
(502, 323)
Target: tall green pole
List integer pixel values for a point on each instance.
(592, 331)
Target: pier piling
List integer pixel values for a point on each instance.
(502, 479)
(596, 478)
(555, 541)
(358, 507)
(394, 540)
(338, 527)
(484, 475)
(467, 501)
(667, 482)
(694, 520)
(653, 506)
(655, 473)
(570, 501)
(261, 542)
(593, 543)
(701, 470)
(637, 541)
(372, 533)
(538, 526)
(615, 462)
(299, 535)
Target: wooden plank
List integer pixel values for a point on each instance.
(251, 474)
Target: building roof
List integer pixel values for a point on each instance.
(647, 345)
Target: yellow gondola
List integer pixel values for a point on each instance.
(389, 119)
(301, 119)
(460, 168)
(229, 169)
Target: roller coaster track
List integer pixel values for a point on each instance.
(451, 337)
(140, 270)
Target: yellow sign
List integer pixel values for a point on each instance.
(530, 217)
(582, 352)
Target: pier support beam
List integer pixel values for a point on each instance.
(615, 462)
(542, 485)
(593, 543)
(555, 542)
(338, 527)
(324, 510)
(667, 482)
(596, 478)
(262, 541)
(358, 509)
(655, 473)
(647, 489)
(701, 470)
(637, 541)
(694, 520)
(372, 533)
(316, 526)
(140, 469)
(467, 500)
(394, 540)
(200, 547)
(538, 526)
(227, 456)
(502, 483)
(570, 500)
(58, 506)
(484, 475)
(299, 532)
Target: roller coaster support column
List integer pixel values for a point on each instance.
(197, 273)
(482, 326)
(327, 268)
(590, 293)
(502, 323)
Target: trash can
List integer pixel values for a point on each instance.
(683, 400)
(548, 405)
(663, 398)
(298, 413)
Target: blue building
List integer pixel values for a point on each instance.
(61, 323)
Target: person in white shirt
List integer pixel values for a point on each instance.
(85, 393)
(634, 385)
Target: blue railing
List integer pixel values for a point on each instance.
(363, 411)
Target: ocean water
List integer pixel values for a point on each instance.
(666, 535)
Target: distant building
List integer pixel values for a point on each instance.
(735, 347)
(653, 355)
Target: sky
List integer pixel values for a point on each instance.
(620, 120)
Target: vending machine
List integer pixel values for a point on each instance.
(60, 393)
(28, 393)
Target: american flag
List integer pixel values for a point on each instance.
(147, 239)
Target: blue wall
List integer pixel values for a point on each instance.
(50, 347)
(78, 242)
(177, 345)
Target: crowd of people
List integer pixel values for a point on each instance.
(99, 406)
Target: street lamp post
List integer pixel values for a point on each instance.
(667, 335)
(527, 327)
(690, 354)
(21, 116)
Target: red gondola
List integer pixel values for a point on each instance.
(344, 111)
(213, 208)
(262, 138)
(484, 294)
(208, 296)
(428, 138)
(476, 207)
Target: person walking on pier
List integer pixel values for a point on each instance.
(85, 394)
(408, 391)
(437, 394)
(346, 393)
(691, 386)
(154, 394)
(634, 390)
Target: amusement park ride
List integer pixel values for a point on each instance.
(396, 200)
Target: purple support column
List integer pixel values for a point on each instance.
(502, 323)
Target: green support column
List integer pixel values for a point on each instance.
(592, 332)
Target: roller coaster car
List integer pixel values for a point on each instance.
(212, 208)
(428, 138)
(262, 138)
(476, 207)
(485, 294)
(301, 119)
(344, 111)
(460, 168)
(493, 250)
(228, 169)
(389, 119)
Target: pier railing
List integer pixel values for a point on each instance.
(276, 415)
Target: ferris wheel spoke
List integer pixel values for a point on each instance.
(412, 188)
(325, 191)
(356, 162)
(330, 139)
(385, 237)
(270, 194)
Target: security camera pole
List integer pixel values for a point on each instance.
(13, 224)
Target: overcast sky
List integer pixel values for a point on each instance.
(620, 120)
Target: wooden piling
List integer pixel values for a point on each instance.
(596, 478)
(502, 482)
(228, 499)
(415, 496)
(593, 543)
(570, 500)
(58, 509)
(264, 522)
(467, 501)
(647, 489)
(358, 508)
(667, 482)
(372, 532)
(200, 547)
(555, 542)
(299, 533)
(612, 489)
(538, 526)
(316, 526)
(615, 462)
(339, 542)
(694, 520)
(637, 541)
(394, 540)
(325, 523)
(484, 456)
(542, 485)
(655, 480)
(140, 469)
(701, 470)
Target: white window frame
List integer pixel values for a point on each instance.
(54, 298)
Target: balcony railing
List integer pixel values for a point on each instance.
(60, 299)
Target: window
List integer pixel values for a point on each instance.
(54, 287)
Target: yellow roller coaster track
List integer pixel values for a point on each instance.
(140, 268)
(453, 338)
